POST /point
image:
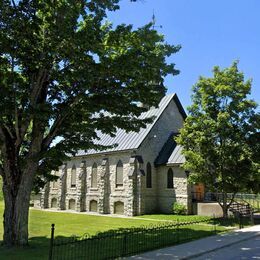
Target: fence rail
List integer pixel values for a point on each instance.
(124, 242)
(252, 199)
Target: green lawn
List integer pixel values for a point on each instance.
(67, 224)
(174, 218)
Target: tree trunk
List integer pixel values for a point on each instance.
(16, 212)
(224, 205)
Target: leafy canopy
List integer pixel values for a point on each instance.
(220, 134)
(65, 72)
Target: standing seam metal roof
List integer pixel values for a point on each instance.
(176, 157)
(132, 140)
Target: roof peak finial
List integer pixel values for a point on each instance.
(154, 22)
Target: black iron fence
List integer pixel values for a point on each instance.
(124, 242)
(252, 199)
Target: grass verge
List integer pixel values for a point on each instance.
(69, 224)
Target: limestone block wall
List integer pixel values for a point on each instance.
(36, 201)
(53, 197)
(103, 198)
(169, 121)
(179, 193)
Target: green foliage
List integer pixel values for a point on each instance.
(66, 73)
(219, 137)
(179, 209)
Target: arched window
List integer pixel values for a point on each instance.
(148, 175)
(94, 176)
(93, 206)
(119, 174)
(73, 177)
(55, 184)
(170, 179)
(119, 207)
(72, 204)
(54, 203)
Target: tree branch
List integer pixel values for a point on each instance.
(232, 199)
(35, 92)
(2, 135)
(58, 123)
(9, 131)
(1, 171)
(37, 86)
(14, 4)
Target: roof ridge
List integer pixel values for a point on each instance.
(131, 140)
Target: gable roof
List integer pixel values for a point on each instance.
(132, 140)
(171, 153)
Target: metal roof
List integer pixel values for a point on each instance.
(132, 140)
(170, 153)
(166, 151)
(176, 157)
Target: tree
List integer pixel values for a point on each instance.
(220, 133)
(65, 73)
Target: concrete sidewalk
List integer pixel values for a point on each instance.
(201, 246)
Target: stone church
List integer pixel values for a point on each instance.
(142, 174)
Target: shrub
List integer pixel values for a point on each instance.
(179, 209)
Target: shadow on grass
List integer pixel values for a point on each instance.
(112, 244)
(125, 242)
(232, 222)
(38, 249)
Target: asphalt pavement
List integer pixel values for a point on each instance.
(207, 247)
(249, 249)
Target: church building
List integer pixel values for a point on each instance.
(140, 175)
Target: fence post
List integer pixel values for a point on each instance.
(51, 241)
(252, 217)
(124, 245)
(240, 221)
(214, 223)
(178, 235)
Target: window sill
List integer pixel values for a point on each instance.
(93, 189)
(119, 188)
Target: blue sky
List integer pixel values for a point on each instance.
(211, 32)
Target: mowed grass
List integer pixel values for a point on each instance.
(175, 218)
(66, 225)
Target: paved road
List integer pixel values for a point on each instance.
(249, 249)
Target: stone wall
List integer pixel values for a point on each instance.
(170, 121)
(179, 193)
(84, 197)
